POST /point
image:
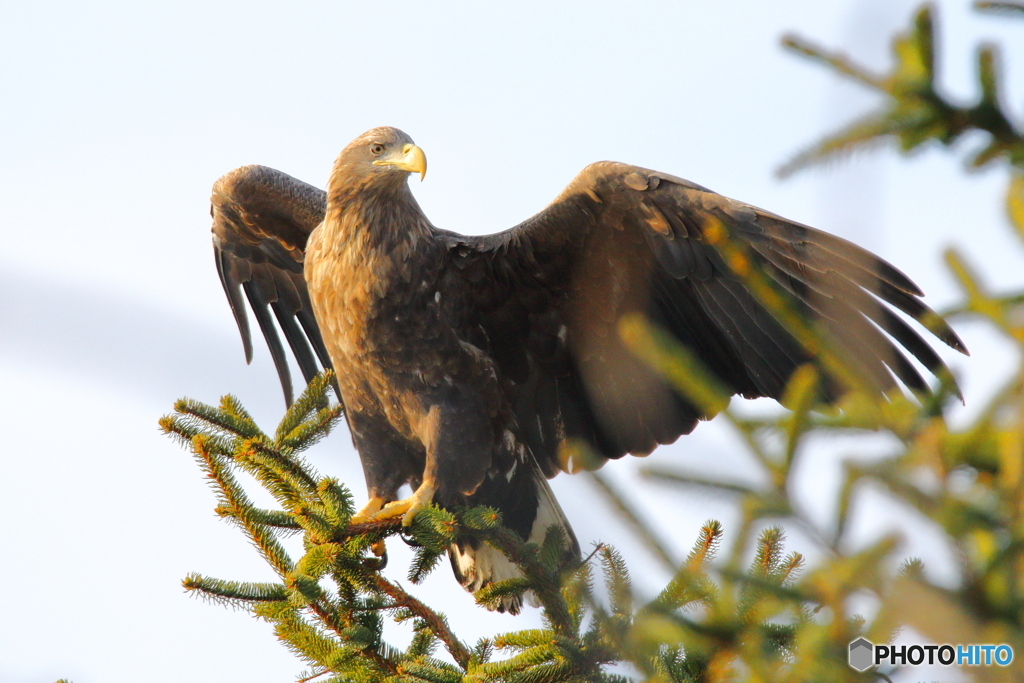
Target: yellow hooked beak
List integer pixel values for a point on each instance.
(413, 160)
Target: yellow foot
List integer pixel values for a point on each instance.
(407, 509)
(371, 508)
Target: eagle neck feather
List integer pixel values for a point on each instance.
(376, 215)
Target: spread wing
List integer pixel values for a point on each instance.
(544, 299)
(262, 219)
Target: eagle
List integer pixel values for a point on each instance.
(472, 368)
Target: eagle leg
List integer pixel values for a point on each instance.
(407, 508)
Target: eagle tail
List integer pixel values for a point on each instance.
(477, 564)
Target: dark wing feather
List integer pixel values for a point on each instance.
(545, 298)
(262, 219)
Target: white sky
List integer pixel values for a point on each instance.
(118, 117)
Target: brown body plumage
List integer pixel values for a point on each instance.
(469, 365)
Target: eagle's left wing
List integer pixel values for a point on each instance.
(545, 298)
(262, 219)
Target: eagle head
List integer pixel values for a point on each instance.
(383, 154)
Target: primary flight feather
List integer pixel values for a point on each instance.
(468, 365)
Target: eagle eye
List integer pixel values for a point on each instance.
(377, 149)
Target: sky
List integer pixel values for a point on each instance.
(119, 116)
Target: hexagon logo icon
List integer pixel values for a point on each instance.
(862, 654)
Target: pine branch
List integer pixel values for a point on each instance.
(231, 592)
(916, 112)
(643, 530)
(437, 623)
(1011, 7)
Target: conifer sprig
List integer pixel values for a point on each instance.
(339, 631)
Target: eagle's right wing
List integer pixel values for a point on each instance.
(262, 219)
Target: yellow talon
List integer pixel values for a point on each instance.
(407, 509)
(371, 508)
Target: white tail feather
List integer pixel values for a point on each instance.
(477, 564)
